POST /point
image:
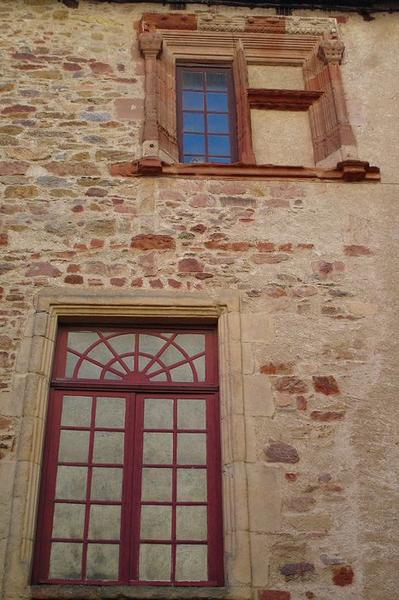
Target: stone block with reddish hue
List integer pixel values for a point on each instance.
(327, 415)
(357, 250)
(280, 452)
(273, 595)
(276, 368)
(190, 265)
(343, 575)
(297, 570)
(291, 385)
(42, 268)
(152, 241)
(326, 385)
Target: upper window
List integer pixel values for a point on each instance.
(225, 118)
(130, 489)
(205, 114)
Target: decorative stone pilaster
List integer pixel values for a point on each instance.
(150, 43)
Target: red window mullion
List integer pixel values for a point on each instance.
(128, 535)
(136, 497)
(88, 486)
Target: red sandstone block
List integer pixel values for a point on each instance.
(328, 415)
(3, 239)
(276, 368)
(18, 108)
(190, 265)
(101, 68)
(152, 241)
(273, 595)
(13, 167)
(343, 575)
(291, 385)
(357, 250)
(74, 279)
(326, 385)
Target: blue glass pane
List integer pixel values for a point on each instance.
(193, 100)
(217, 102)
(219, 145)
(194, 122)
(216, 81)
(193, 80)
(224, 160)
(218, 123)
(194, 159)
(194, 144)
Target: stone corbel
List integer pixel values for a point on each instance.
(150, 43)
(331, 51)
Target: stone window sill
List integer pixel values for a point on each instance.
(111, 592)
(348, 170)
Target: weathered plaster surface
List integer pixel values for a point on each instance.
(314, 265)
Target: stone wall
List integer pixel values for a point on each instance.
(314, 263)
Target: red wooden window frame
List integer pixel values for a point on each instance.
(206, 68)
(135, 390)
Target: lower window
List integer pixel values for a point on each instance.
(130, 489)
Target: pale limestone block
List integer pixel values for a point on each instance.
(232, 393)
(275, 77)
(256, 327)
(250, 437)
(265, 497)
(288, 137)
(7, 473)
(238, 570)
(248, 359)
(260, 558)
(320, 522)
(30, 441)
(236, 502)
(258, 396)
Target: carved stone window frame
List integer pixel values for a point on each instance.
(312, 44)
(30, 393)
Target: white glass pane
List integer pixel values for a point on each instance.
(102, 561)
(191, 523)
(150, 344)
(158, 413)
(192, 343)
(143, 362)
(129, 362)
(106, 484)
(74, 446)
(191, 414)
(65, 561)
(122, 344)
(155, 562)
(191, 448)
(182, 373)
(157, 485)
(69, 520)
(71, 361)
(108, 447)
(158, 448)
(71, 483)
(171, 356)
(81, 340)
(156, 522)
(76, 411)
(191, 562)
(191, 485)
(112, 376)
(159, 377)
(105, 522)
(88, 370)
(101, 353)
(199, 364)
(110, 412)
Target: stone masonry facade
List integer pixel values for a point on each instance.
(312, 263)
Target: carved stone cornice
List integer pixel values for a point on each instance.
(282, 99)
(331, 51)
